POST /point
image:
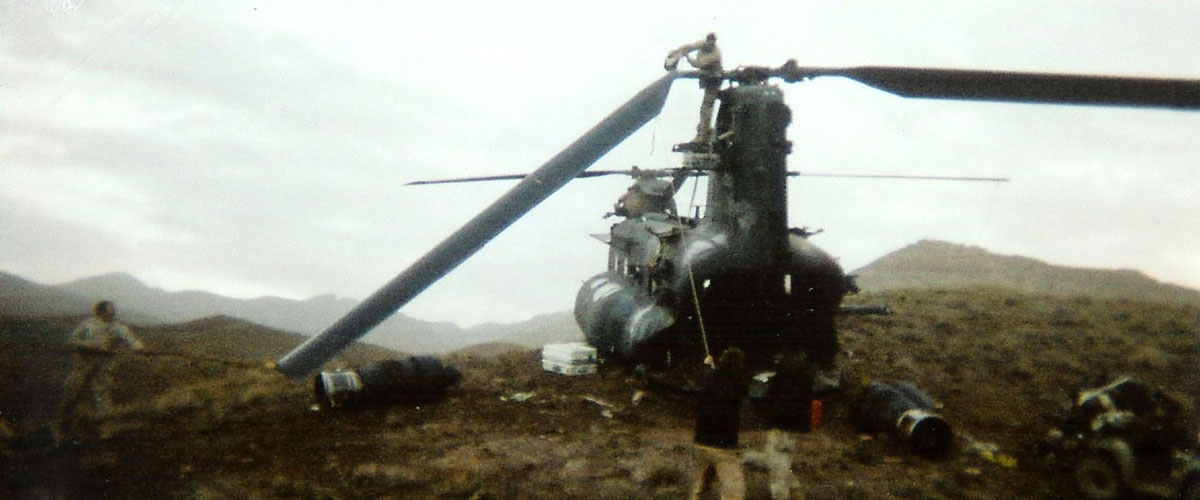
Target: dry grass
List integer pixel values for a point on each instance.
(1000, 363)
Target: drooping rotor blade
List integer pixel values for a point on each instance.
(903, 177)
(1049, 88)
(448, 254)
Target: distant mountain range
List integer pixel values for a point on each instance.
(925, 264)
(140, 304)
(938, 264)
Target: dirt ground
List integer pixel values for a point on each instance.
(999, 363)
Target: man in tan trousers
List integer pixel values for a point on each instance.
(94, 342)
(706, 57)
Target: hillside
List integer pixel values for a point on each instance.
(301, 316)
(938, 264)
(533, 333)
(140, 304)
(1000, 362)
(21, 297)
(35, 361)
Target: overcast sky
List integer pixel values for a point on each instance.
(259, 148)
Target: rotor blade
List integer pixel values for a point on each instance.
(701, 173)
(1017, 86)
(512, 177)
(508, 177)
(905, 177)
(448, 254)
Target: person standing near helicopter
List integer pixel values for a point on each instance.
(706, 57)
(718, 408)
(788, 409)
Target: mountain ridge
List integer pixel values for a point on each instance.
(145, 305)
(941, 264)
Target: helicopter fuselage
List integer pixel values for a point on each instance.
(679, 288)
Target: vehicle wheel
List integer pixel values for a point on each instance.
(1098, 479)
(1191, 487)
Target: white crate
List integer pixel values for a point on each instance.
(576, 358)
(574, 352)
(572, 369)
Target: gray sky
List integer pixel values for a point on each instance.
(258, 148)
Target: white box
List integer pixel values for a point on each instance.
(576, 358)
(561, 368)
(574, 352)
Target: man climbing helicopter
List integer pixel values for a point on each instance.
(706, 57)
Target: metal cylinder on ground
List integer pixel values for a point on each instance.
(414, 380)
(905, 410)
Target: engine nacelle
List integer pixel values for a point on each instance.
(618, 317)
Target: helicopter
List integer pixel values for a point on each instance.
(679, 287)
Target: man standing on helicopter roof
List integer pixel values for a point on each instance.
(706, 58)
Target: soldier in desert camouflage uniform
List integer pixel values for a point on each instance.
(94, 342)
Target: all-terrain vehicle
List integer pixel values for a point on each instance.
(1127, 439)
(1111, 468)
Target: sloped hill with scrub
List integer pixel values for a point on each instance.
(209, 420)
(939, 264)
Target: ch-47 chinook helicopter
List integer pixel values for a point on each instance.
(678, 287)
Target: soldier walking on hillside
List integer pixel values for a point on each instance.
(94, 341)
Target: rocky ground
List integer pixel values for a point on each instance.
(217, 425)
